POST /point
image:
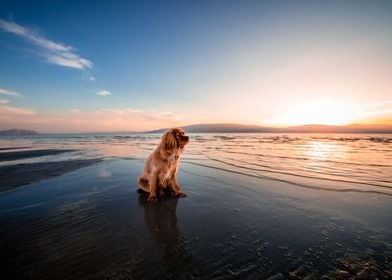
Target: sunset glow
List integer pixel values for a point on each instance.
(326, 112)
(259, 63)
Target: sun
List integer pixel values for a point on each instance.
(325, 112)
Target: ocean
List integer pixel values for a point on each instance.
(340, 162)
(259, 206)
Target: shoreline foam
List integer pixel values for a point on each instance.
(16, 155)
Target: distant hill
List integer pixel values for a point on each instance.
(17, 132)
(220, 128)
(240, 128)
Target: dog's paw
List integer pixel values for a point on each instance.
(181, 194)
(152, 199)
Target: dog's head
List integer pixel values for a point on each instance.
(174, 139)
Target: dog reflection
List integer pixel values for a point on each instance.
(161, 221)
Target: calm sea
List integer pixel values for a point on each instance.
(336, 162)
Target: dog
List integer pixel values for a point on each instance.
(161, 167)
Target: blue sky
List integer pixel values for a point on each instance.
(98, 65)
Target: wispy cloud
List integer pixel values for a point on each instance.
(4, 101)
(8, 92)
(377, 108)
(74, 110)
(77, 120)
(127, 118)
(103, 92)
(7, 111)
(53, 52)
(378, 104)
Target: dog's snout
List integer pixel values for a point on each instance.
(186, 138)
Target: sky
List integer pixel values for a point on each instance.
(84, 66)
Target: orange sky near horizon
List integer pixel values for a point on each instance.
(128, 119)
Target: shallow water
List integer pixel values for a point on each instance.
(345, 162)
(256, 208)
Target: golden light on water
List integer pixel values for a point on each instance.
(320, 150)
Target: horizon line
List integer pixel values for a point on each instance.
(387, 128)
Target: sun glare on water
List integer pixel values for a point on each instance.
(325, 112)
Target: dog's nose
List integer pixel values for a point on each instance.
(186, 138)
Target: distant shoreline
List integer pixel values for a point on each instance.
(233, 128)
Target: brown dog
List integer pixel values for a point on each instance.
(161, 166)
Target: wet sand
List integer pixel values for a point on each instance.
(91, 223)
(22, 174)
(13, 176)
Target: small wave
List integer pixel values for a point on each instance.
(320, 170)
(122, 137)
(380, 140)
(290, 182)
(297, 175)
(354, 139)
(305, 158)
(223, 137)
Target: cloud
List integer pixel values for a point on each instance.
(99, 120)
(8, 92)
(376, 109)
(378, 112)
(4, 101)
(6, 110)
(377, 105)
(53, 52)
(74, 110)
(103, 92)
(92, 78)
(104, 119)
(131, 110)
(120, 111)
(69, 60)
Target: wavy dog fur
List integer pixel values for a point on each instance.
(161, 166)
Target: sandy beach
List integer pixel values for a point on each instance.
(85, 219)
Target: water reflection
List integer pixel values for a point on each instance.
(320, 150)
(161, 221)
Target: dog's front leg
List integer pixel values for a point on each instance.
(175, 187)
(153, 189)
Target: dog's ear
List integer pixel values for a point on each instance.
(169, 142)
